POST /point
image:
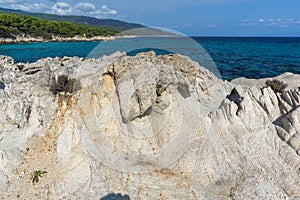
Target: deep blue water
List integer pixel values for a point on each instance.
(254, 57)
(232, 57)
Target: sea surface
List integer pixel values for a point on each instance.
(227, 57)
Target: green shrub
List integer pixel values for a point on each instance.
(37, 175)
(276, 85)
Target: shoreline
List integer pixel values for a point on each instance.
(20, 40)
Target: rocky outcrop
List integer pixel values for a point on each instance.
(144, 127)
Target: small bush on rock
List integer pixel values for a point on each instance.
(37, 175)
(276, 85)
(63, 84)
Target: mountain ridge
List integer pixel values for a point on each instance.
(112, 24)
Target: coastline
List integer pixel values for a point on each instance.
(19, 39)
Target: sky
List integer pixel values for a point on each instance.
(190, 17)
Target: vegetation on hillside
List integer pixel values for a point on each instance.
(12, 25)
(111, 24)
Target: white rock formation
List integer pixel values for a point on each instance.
(147, 127)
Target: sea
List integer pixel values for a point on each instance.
(227, 57)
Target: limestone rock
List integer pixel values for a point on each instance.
(144, 127)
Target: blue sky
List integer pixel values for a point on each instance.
(191, 17)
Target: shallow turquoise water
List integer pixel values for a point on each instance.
(232, 57)
(31, 52)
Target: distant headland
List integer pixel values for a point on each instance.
(21, 27)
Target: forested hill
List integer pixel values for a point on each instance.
(112, 24)
(12, 25)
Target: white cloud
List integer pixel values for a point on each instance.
(270, 22)
(62, 5)
(87, 7)
(11, 1)
(103, 11)
(261, 20)
(61, 8)
(247, 23)
(106, 10)
(29, 6)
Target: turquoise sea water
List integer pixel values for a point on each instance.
(231, 57)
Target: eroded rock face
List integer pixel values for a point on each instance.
(144, 127)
